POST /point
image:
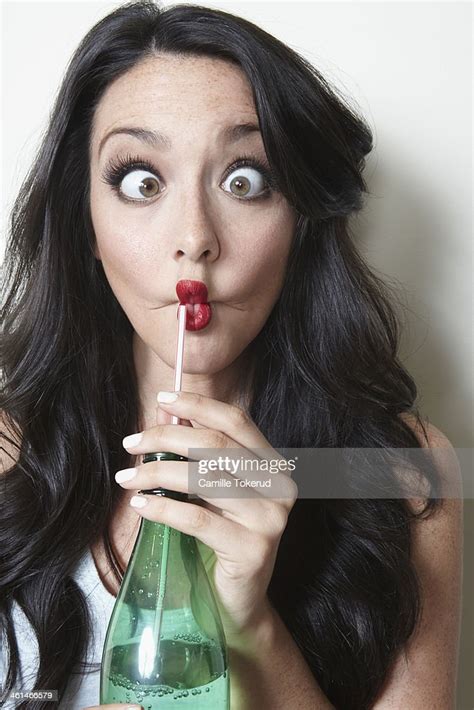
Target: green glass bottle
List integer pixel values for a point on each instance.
(165, 645)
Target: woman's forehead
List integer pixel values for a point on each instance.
(164, 90)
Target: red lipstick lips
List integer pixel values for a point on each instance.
(198, 310)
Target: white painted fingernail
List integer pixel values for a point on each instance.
(126, 474)
(167, 397)
(138, 501)
(132, 440)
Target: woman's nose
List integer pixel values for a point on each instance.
(196, 246)
(195, 236)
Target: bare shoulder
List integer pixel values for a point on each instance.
(443, 455)
(10, 443)
(443, 528)
(424, 675)
(426, 433)
(449, 513)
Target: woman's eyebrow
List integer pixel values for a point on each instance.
(155, 139)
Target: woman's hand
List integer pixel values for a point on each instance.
(244, 532)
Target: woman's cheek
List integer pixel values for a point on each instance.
(131, 274)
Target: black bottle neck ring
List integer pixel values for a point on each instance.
(159, 491)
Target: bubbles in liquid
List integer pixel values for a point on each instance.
(217, 686)
(193, 638)
(202, 686)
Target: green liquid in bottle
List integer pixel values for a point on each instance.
(165, 645)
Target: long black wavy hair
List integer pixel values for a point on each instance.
(327, 372)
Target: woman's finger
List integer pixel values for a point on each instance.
(163, 417)
(226, 537)
(214, 414)
(177, 438)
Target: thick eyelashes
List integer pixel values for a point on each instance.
(118, 168)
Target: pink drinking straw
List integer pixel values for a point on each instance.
(178, 368)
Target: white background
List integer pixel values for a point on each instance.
(407, 67)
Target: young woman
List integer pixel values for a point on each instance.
(187, 144)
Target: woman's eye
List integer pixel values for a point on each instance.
(245, 182)
(139, 184)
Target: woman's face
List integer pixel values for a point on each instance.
(182, 214)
